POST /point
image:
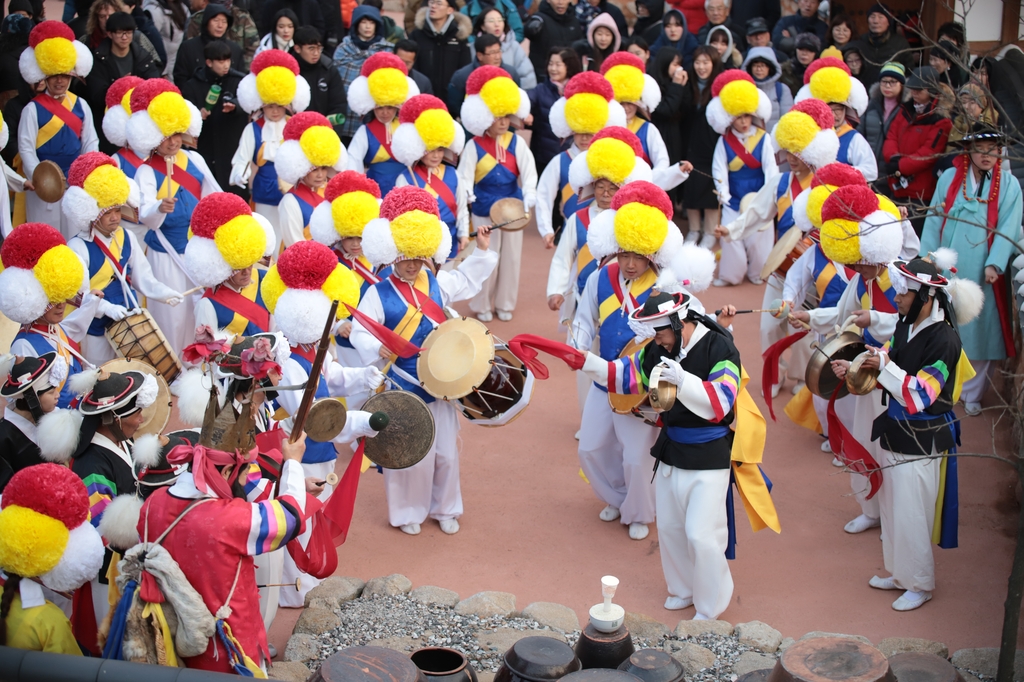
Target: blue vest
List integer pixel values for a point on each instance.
(384, 173)
(395, 308)
(175, 226)
(836, 286)
(112, 292)
(226, 315)
(265, 189)
(499, 183)
(614, 330)
(641, 133)
(581, 241)
(64, 147)
(746, 179)
(573, 203)
(126, 166)
(316, 451)
(43, 346)
(306, 208)
(844, 146)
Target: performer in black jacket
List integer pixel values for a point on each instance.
(29, 390)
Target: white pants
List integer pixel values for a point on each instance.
(693, 532)
(908, 495)
(38, 211)
(270, 213)
(615, 455)
(178, 324)
(774, 330)
(97, 349)
(431, 486)
(100, 597)
(501, 290)
(746, 256)
(857, 413)
(974, 390)
(289, 597)
(821, 409)
(270, 570)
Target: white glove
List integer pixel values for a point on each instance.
(174, 300)
(357, 425)
(373, 378)
(673, 372)
(112, 310)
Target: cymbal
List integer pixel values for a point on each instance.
(49, 182)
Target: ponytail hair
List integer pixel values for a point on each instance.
(11, 588)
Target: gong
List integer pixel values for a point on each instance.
(409, 433)
(325, 419)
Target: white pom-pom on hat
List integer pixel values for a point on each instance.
(321, 225)
(300, 314)
(29, 67)
(58, 434)
(968, 299)
(580, 176)
(115, 125)
(81, 561)
(206, 266)
(119, 525)
(445, 247)
(192, 388)
(880, 238)
(268, 231)
(378, 244)
(650, 97)
(691, 267)
(22, 297)
(146, 450)
(601, 235)
(944, 258)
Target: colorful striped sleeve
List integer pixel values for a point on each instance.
(922, 389)
(273, 524)
(257, 488)
(626, 375)
(101, 491)
(722, 386)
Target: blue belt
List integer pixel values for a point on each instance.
(697, 435)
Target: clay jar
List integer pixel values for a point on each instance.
(537, 659)
(653, 665)
(441, 663)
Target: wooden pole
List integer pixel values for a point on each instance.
(299, 418)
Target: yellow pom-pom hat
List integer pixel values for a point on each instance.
(860, 227)
(639, 221)
(587, 105)
(273, 78)
(118, 109)
(309, 142)
(40, 271)
(226, 237)
(353, 200)
(614, 154)
(806, 130)
(491, 93)
(96, 186)
(383, 81)
(299, 288)
(424, 124)
(828, 178)
(735, 94)
(158, 112)
(53, 51)
(630, 81)
(829, 80)
(45, 531)
(409, 228)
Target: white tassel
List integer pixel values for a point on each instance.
(193, 391)
(146, 450)
(84, 381)
(944, 258)
(968, 299)
(6, 363)
(119, 525)
(58, 435)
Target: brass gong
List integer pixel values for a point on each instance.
(409, 434)
(325, 420)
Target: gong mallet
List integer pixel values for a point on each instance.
(297, 584)
(504, 225)
(299, 419)
(778, 310)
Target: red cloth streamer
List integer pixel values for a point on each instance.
(770, 368)
(392, 341)
(849, 450)
(205, 461)
(338, 510)
(525, 347)
(83, 620)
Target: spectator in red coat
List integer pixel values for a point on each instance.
(693, 10)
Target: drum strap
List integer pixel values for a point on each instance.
(63, 344)
(169, 250)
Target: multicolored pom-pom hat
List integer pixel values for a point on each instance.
(39, 271)
(829, 80)
(630, 81)
(491, 93)
(409, 228)
(353, 200)
(639, 221)
(425, 125)
(615, 155)
(309, 142)
(118, 109)
(860, 227)
(807, 132)
(587, 106)
(735, 94)
(827, 179)
(159, 112)
(53, 51)
(383, 81)
(273, 78)
(96, 186)
(226, 237)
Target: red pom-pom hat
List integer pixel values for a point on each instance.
(144, 93)
(120, 87)
(383, 60)
(852, 202)
(300, 123)
(823, 62)
(412, 109)
(274, 58)
(306, 265)
(27, 243)
(643, 192)
(622, 58)
(214, 210)
(838, 175)
(49, 29)
(623, 135)
(481, 75)
(590, 82)
(408, 198)
(49, 489)
(350, 181)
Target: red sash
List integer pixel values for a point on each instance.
(58, 110)
(357, 267)
(427, 305)
(232, 300)
(444, 192)
(737, 147)
(490, 145)
(879, 301)
(304, 192)
(131, 157)
(185, 180)
(613, 278)
(380, 134)
(307, 352)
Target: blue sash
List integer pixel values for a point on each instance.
(696, 435)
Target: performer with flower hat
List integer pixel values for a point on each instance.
(383, 86)
(635, 237)
(116, 264)
(828, 79)
(9, 182)
(57, 126)
(743, 162)
(497, 165)
(161, 116)
(586, 107)
(31, 389)
(115, 122)
(272, 87)
(425, 134)
(310, 154)
(409, 234)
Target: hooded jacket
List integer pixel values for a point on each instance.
(440, 55)
(190, 54)
(221, 131)
(738, 39)
(684, 46)
(242, 30)
(555, 30)
(308, 12)
(731, 59)
(779, 95)
(644, 26)
(162, 15)
(606, 21)
(874, 125)
(327, 94)
(352, 53)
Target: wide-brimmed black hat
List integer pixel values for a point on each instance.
(29, 372)
(922, 271)
(118, 393)
(155, 471)
(662, 310)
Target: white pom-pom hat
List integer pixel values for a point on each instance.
(586, 106)
(273, 78)
(409, 228)
(118, 109)
(491, 93)
(630, 81)
(639, 221)
(806, 131)
(383, 81)
(614, 154)
(425, 125)
(829, 80)
(96, 186)
(735, 94)
(158, 112)
(53, 51)
(353, 200)
(860, 227)
(226, 237)
(40, 271)
(309, 142)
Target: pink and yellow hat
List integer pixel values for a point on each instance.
(409, 228)
(614, 154)
(158, 112)
(490, 94)
(309, 142)
(860, 227)
(353, 200)
(40, 270)
(53, 51)
(96, 186)
(383, 81)
(735, 94)
(586, 106)
(829, 80)
(226, 237)
(273, 78)
(118, 109)
(806, 131)
(630, 80)
(639, 221)
(424, 125)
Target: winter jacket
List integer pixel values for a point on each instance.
(731, 59)
(241, 30)
(877, 50)
(742, 12)
(603, 7)
(268, 42)
(221, 131)
(557, 30)
(440, 55)
(911, 148)
(190, 54)
(327, 94)
(778, 93)
(676, 102)
(693, 10)
(797, 24)
(684, 46)
(738, 39)
(513, 53)
(308, 12)
(655, 10)
(457, 86)
(349, 59)
(422, 82)
(590, 63)
(513, 22)
(147, 28)
(105, 72)
(793, 75)
(874, 126)
(170, 33)
(544, 144)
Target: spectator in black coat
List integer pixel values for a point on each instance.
(486, 52)
(216, 22)
(442, 34)
(327, 93)
(648, 19)
(666, 68)
(717, 12)
(882, 44)
(804, 21)
(745, 10)
(554, 25)
(147, 28)
(308, 12)
(699, 140)
(13, 40)
(406, 50)
(590, 9)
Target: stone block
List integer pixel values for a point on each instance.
(760, 636)
(335, 591)
(555, 616)
(693, 657)
(289, 671)
(316, 620)
(819, 633)
(890, 646)
(487, 605)
(301, 648)
(387, 586)
(502, 639)
(985, 661)
(749, 661)
(645, 627)
(693, 628)
(434, 596)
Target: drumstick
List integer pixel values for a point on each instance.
(758, 310)
(193, 290)
(297, 584)
(170, 172)
(299, 419)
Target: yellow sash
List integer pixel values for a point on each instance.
(635, 125)
(238, 323)
(584, 257)
(106, 272)
(747, 451)
(749, 144)
(566, 195)
(54, 125)
(826, 275)
(410, 322)
(486, 163)
(638, 287)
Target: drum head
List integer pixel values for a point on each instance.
(409, 433)
(786, 243)
(456, 358)
(505, 393)
(509, 212)
(155, 416)
(8, 330)
(746, 201)
(325, 420)
(48, 179)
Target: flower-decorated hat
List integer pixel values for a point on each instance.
(639, 222)
(587, 105)
(614, 154)
(807, 131)
(40, 374)
(424, 125)
(353, 200)
(735, 94)
(52, 51)
(828, 178)
(829, 80)
(118, 109)
(860, 227)
(299, 288)
(158, 112)
(490, 94)
(409, 228)
(226, 237)
(273, 78)
(45, 531)
(383, 81)
(96, 186)
(40, 270)
(309, 142)
(630, 81)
